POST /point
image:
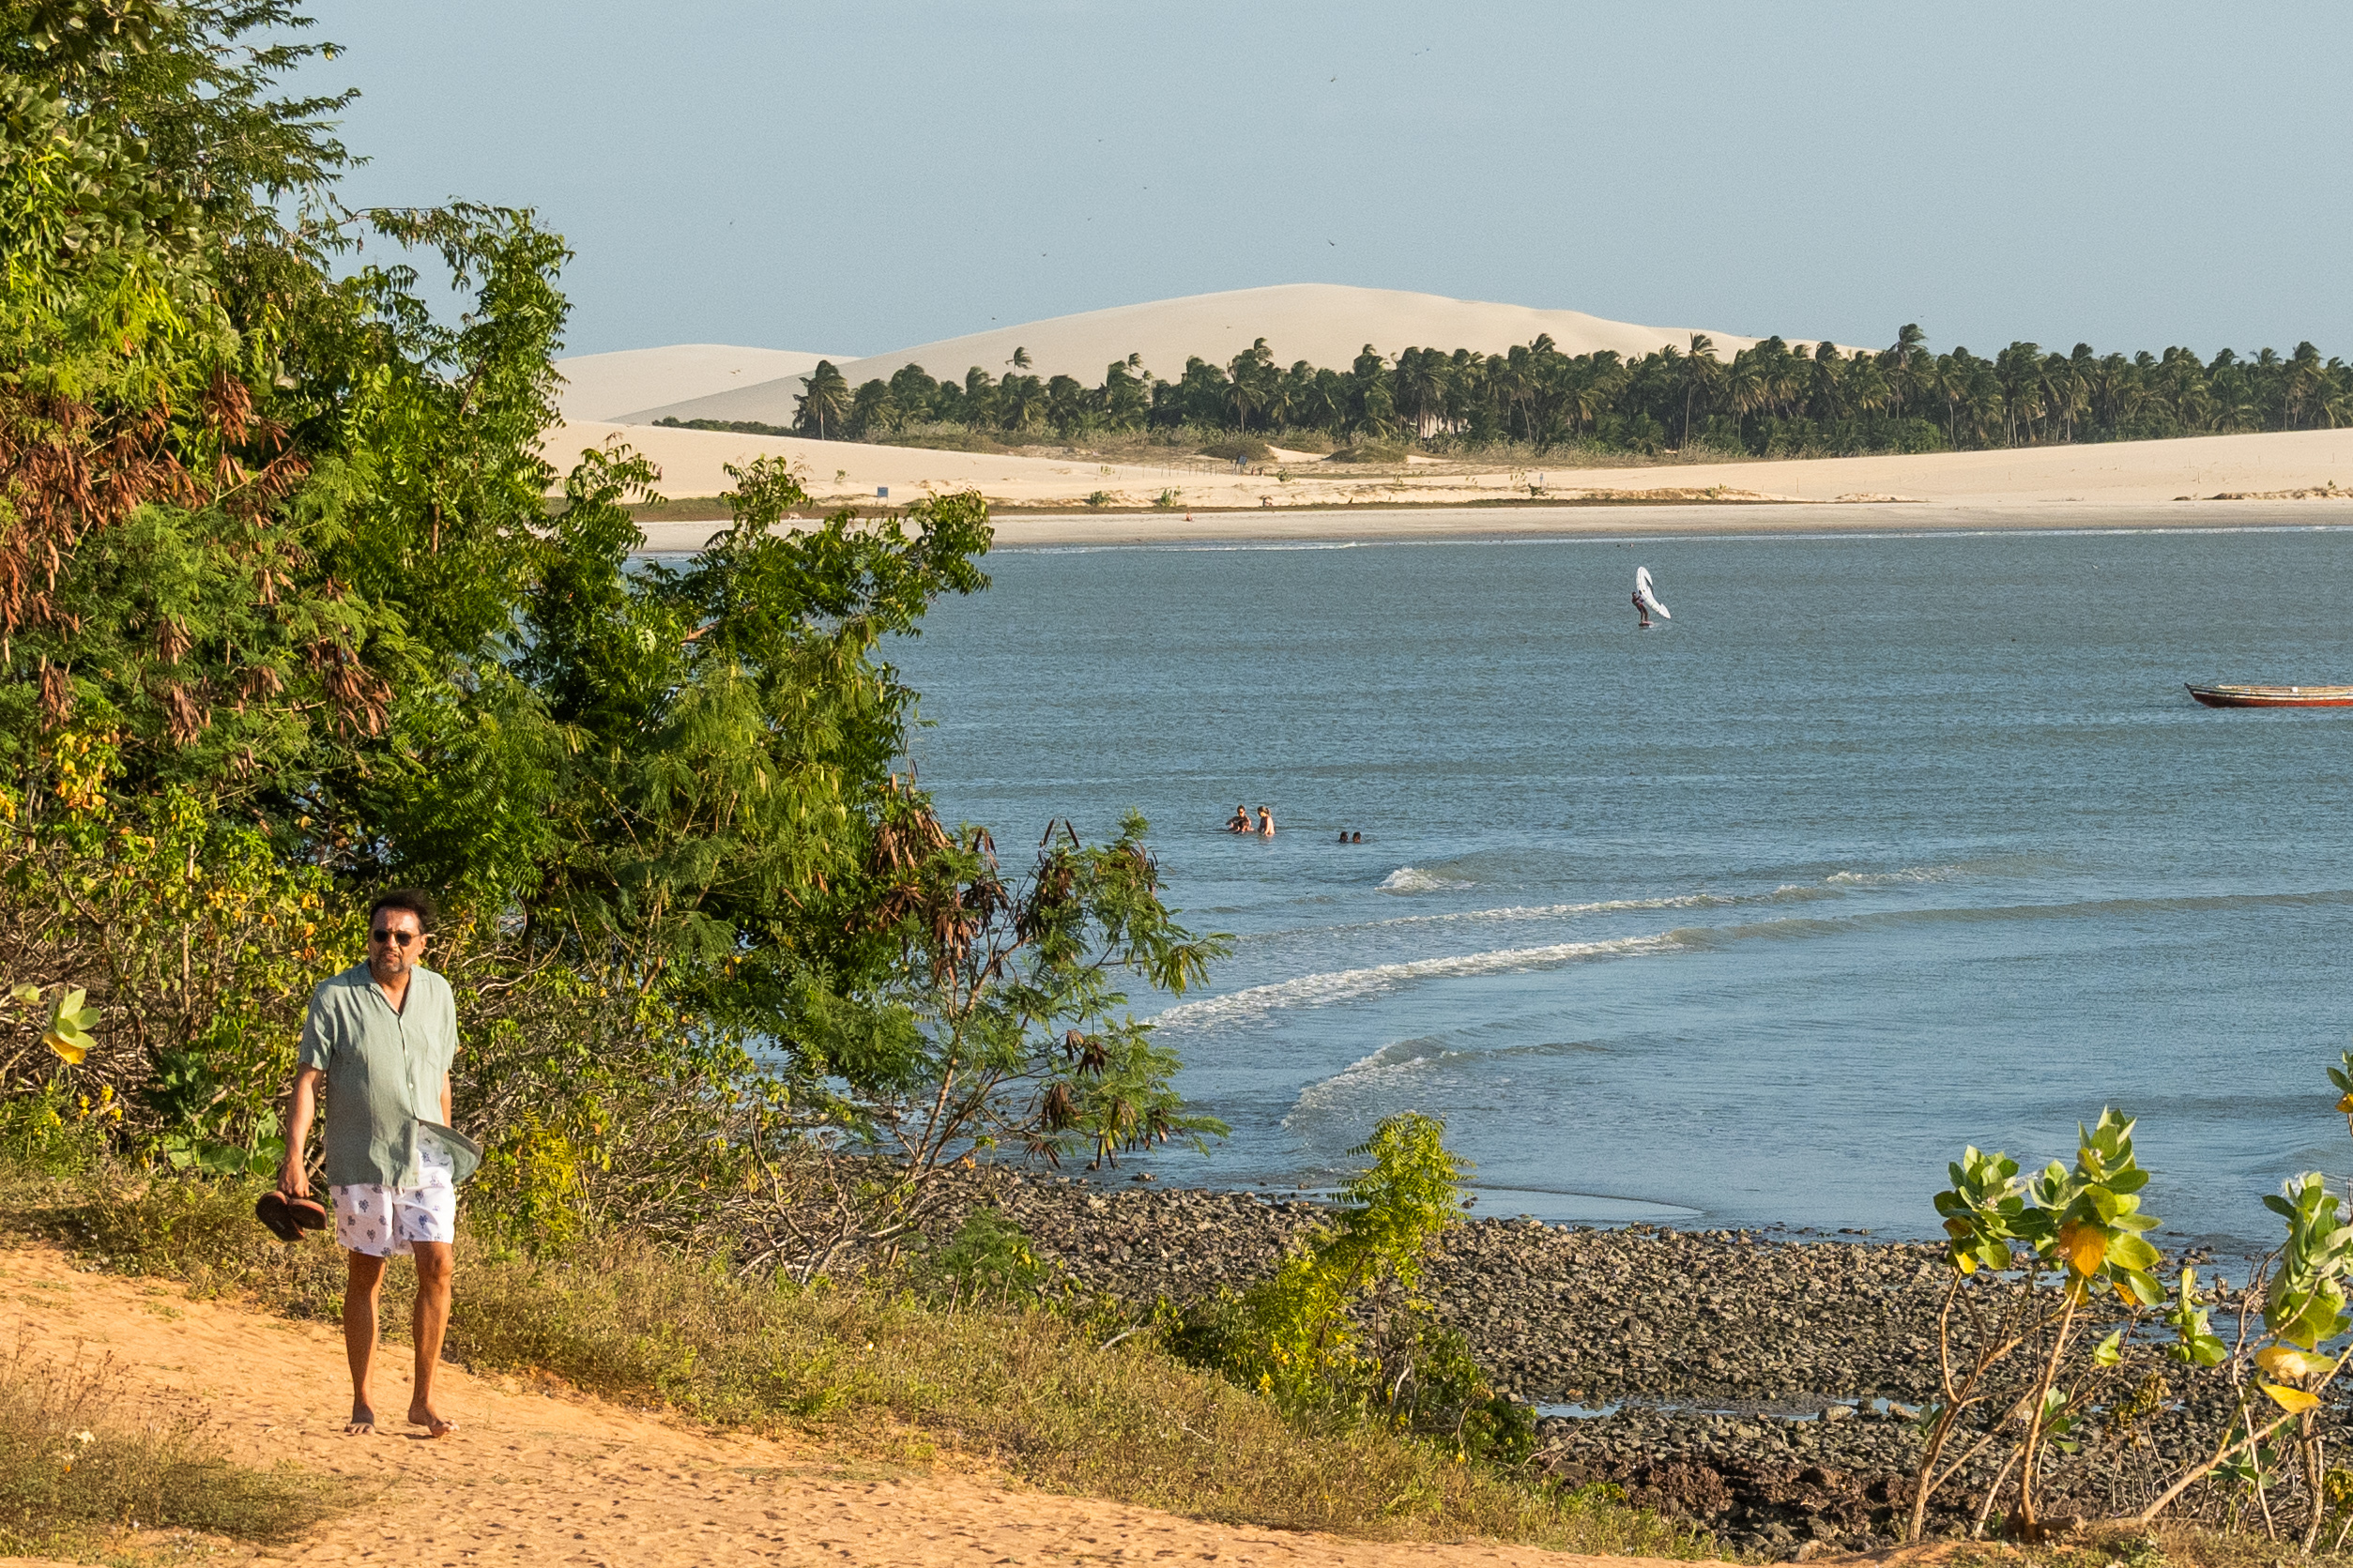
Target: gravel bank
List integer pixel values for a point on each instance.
(1757, 1383)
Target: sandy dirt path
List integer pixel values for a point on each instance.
(539, 1478)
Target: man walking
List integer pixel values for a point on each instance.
(381, 1035)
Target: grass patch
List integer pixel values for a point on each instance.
(871, 1368)
(79, 1466)
(2168, 1544)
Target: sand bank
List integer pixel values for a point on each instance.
(2123, 484)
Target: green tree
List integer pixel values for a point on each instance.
(1701, 372)
(998, 1025)
(824, 404)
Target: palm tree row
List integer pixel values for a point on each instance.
(1770, 399)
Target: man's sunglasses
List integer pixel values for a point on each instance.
(398, 939)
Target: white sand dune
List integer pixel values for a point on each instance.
(2039, 486)
(606, 386)
(1325, 324)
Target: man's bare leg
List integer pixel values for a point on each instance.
(436, 1263)
(360, 1290)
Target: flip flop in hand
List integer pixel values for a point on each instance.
(287, 1216)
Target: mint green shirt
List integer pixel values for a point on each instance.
(384, 1071)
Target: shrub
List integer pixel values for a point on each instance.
(1339, 1335)
(1239, 448)
(1368, 451)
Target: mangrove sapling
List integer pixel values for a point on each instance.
(2303, 1295)
(2073, 1231)
(2302, 1289)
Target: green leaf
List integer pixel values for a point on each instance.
(2110, 1350)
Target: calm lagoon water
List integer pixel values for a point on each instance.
(1884, 845)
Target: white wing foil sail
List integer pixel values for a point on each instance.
(1645, 597)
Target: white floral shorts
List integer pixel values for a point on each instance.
(382, 1222)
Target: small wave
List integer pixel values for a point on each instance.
(1351, 984)
(1798, 928)
(1893, 878)
(1545, 912)
(1406, 1057)
(1796, 892)
(1326, 1094)
(1412, 879)
(1320, 990)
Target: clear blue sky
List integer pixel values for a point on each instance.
(855, 177)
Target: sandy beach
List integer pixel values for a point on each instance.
(2123, 484)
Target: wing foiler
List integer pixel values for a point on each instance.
(1646, 598)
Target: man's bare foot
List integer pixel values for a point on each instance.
(421, 1415)
(362, 1420)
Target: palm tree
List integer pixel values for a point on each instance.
(1702, 371)
(2300, 386)
(1941, 378)
(1254, 374)
(1020, 360)
(1749, 387)
(1902, 359)
(1022, 404)
(1123, 398)
(1826, 382)
(825, 402)
(2018, 370)
(1421, 389)
(1864, 386)
(874, 409)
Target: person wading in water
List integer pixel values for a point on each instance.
(381, 1034)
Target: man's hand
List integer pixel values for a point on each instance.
(292, 1180)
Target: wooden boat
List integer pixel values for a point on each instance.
(2272, 696)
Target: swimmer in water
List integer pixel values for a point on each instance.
(1266, 823)
(1343, 835)
(1240, 821)
(1356, 838)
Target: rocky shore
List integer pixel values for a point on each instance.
(1759, 1384)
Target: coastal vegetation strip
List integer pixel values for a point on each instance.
(1767, 401)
